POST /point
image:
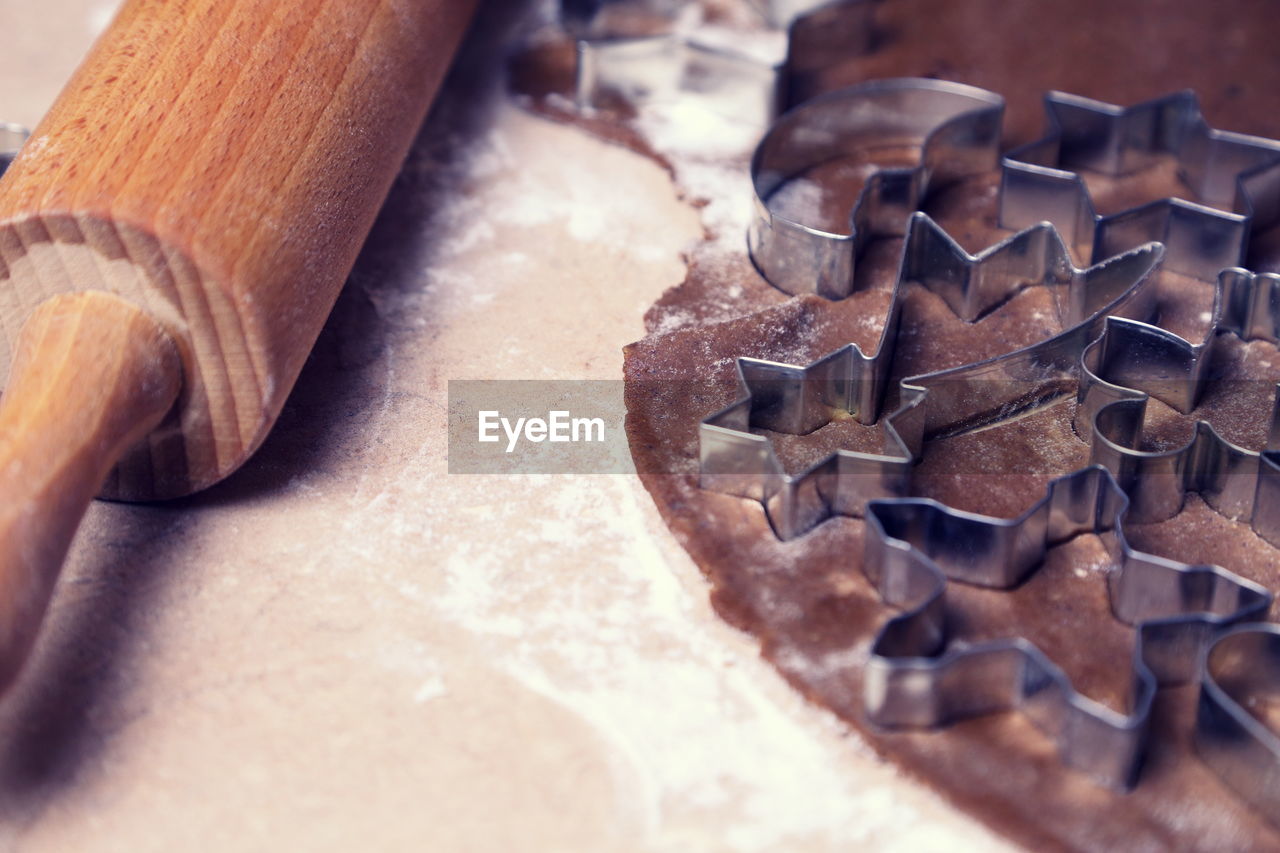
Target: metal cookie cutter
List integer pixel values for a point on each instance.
(1234, 179)
(752, 87)
(795, 399)
(584, 16)
(1240, 670)
(1133, 360)
(913, 547)
(657, 68)
(12, 138)
(952, 131)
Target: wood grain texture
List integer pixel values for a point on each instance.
(219, 163)
(92, 374)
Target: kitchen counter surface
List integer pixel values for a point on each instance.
(343, 646)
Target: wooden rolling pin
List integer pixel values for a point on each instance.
(172, 239)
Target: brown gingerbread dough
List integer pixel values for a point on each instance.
(807, 599)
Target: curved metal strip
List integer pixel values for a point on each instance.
(799, 399)
(953, 129)
(1234, 179)
(1240, 669)
(1132, 360)
(914, 547)
(665, 63)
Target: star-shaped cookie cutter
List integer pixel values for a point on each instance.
(848, 382)
(1234, 179)
(915, 680)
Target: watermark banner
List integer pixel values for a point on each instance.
(537, 427)
(791, 426)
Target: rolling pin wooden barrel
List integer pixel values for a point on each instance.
(172, 238)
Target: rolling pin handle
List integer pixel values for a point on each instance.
(91, 375)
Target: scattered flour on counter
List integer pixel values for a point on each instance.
(563, 583)
(701, 725)
(570, 586)
(673, 320)
(710, 156)
(100, 16)
(432, 688)
(522, 199)
(707, 145)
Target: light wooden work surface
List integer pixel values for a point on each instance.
(343, 647)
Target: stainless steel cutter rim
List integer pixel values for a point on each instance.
(981, 100)
(777, 13)
(1166, 211)
(925, 616)
(904, 428)
(1109, 414)
(1192, 126)
(1258, 730)
(1035, 175)
(596, 69)
(592, 52)
(1100, 435)
(784, 13)
(1246, 328)
(824, 261)
(1241, 749)
(12, 138)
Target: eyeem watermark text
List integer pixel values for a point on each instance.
(536, 426)
(557, 426)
